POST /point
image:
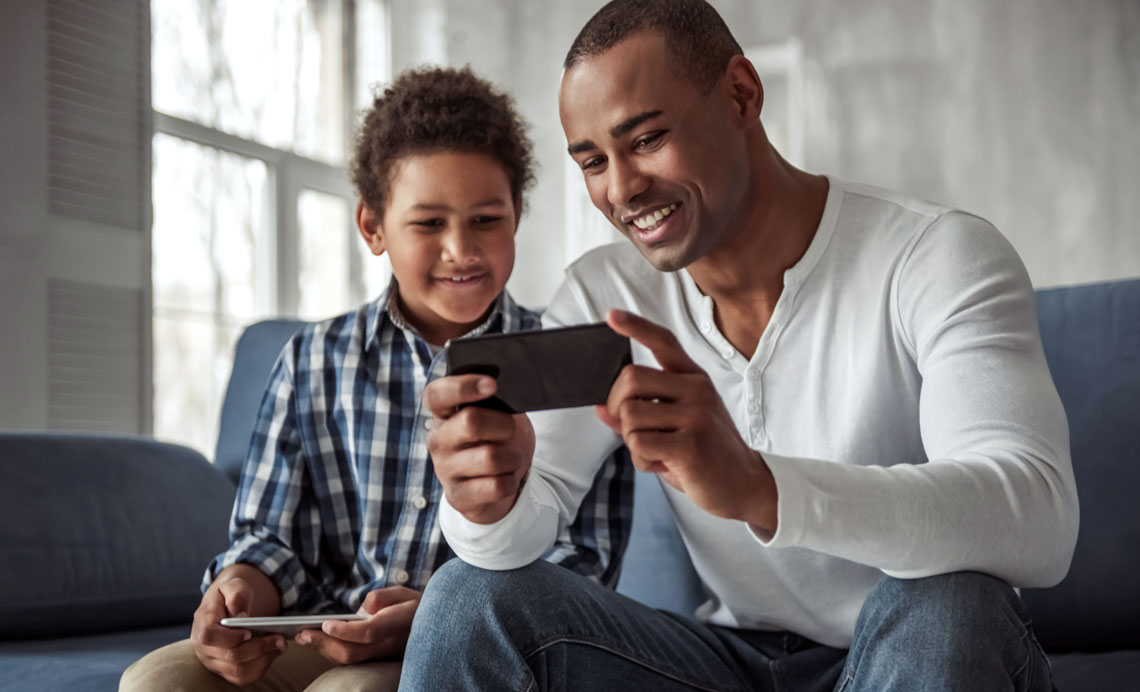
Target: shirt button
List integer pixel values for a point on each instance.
(401, 577)
(754, 407)
(427, 424)
(415, 358)
(727, 353)
(706, 327)
(419, 502)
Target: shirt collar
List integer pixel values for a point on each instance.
(505, 316)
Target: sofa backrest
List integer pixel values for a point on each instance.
(254, 357)
(1091, 336)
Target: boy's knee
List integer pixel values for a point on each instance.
(174, 667)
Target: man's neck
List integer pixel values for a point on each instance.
(745, 276)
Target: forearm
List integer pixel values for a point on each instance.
(994, 511)
(266, 601)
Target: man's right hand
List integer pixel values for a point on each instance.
(234, 654)
(481, 456)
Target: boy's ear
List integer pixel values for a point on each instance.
(368, 223)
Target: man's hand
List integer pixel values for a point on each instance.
(383, 635)
(674, 423)
(234, 654)
(480, 456)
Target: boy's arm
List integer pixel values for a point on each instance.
(274, 528)
(594, 544)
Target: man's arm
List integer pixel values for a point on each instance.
(513, 484)
(997, 494)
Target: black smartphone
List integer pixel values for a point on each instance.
(545, 369)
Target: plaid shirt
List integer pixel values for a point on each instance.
(338, 495)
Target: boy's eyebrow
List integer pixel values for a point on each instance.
(493, 202)
(621, 129)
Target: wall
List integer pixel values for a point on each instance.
(1022, 111)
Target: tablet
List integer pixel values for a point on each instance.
(287, 625)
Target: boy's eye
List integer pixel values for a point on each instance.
(649, 141)
(486, 220)
(428, 223)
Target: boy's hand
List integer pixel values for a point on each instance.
(234, 654)
(481, 456)
(674, 423)
(384, 635)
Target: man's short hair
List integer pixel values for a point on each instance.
(439, 109)
(698, 42)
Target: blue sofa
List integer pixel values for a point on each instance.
(105, 538)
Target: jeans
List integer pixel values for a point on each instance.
(542, 627)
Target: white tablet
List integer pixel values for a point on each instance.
(287, 625)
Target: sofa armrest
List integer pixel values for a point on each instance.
(104, 532)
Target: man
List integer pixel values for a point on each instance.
(842, 388)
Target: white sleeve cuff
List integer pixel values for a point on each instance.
(791, 497)
(516, 540)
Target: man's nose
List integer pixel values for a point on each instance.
(626, 182)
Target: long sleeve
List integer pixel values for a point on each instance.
(275, 523)
(997, 494)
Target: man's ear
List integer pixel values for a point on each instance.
(368, 223)
(744, 89)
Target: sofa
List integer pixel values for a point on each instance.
(105, 537)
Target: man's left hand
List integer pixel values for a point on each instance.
(674, 423)
(382, 636)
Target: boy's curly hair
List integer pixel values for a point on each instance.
(433, 109)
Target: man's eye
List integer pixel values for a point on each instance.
(428, 223)
(594, 162)
(648, 141)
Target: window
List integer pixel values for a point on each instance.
(253, 104)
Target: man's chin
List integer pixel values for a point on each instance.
(665, 258)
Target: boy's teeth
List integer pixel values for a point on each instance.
(652, 219)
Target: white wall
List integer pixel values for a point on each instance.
(1021, 111)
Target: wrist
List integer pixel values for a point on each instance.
(762, 510)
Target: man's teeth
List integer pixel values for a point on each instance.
(652, 219)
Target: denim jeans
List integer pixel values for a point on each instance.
(544, 628)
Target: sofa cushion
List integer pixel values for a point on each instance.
(104, 533)
(1103, 672)
(79, 664)
(1091, 336)
(254, 357)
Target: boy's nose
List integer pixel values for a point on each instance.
(459, 245)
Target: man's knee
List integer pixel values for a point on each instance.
(947, 598)
(511, 605)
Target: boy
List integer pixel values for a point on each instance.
(336, 510)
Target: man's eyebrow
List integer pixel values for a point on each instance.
(621, 129)
(579, 147)
(625, 126)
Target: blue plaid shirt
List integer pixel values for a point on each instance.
(338, 495)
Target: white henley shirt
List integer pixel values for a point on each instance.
(899, 395)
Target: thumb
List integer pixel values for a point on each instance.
(379, 599)
(238, 596)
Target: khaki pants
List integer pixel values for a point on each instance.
(176, 667)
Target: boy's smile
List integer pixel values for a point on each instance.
(449, 229)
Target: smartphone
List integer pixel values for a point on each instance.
(545, 369)
(287, 625)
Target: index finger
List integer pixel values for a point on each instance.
(443, 396)
(659, 340)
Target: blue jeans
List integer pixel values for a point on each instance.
(545, 628)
